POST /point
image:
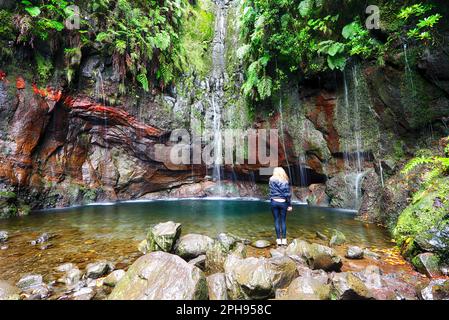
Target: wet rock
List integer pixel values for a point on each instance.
(193, 245)
(42, 239)
(84, 294)
(113, 278)
(216, 285)
(3, 236)
(435, 240)
(161, 276)
(317, 256)
(428, 264)
(341, 196)
(310, 286)
(29, 282)
(71, 277)
(338, 238)
(261, 244)
(258, 278)
(321, 236)
(347, 286)
(199, 262)
(98, 269)
(223, 245)
(436, 290)
(354, 252)
(8, 291)
(65, 267)
(163, 236)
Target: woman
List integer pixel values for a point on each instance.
(280, 196)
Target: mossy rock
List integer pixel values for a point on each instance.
(428, 264)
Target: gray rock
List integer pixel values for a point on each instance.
(84, 294)
(42, 239)
(3, 236)
(278, 253)
(71, 277)
(349, 287)
(98, 269)
(321, 236)
(254, 278)
(199, 262)
(193, 245)
(29, 282)
(435, 240)
(309, 287)
(216, 255)
(428, 264)
(354, 252)
(216, 285)
(161, 276)
(163, 236)
(8, 291)
(114, 277)
(436, 290)
(65, 267)
(337, 239)
(261, 244)
(316, 255)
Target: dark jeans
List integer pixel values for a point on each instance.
(279, 210)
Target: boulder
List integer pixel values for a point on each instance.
(113, 278)
(317, 256)
(161, 276)
(191, 246)
(310, 286)
(348, 286)
(354, 252)
(428, 264)
(3, 236)
(98, 269)
(257, 278)
(8, 291)
(435, 240)
(436, 290)
(29, 282)
(216, 255)
(261, 244)
(338, 238)
(216, 285)
(71, 277)
(163, 236)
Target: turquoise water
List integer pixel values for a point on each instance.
(86, 234)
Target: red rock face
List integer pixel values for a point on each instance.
(322, 117)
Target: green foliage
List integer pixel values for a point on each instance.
(47, 16)
(437, 166)
(416, 25)
(197, 37)
(44, 67)
(306, 37)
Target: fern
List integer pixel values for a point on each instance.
(143, 80)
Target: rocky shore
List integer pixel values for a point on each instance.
(173, 266)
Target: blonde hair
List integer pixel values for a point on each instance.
(280, 174)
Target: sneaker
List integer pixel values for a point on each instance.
(279, 242)
(284, 242)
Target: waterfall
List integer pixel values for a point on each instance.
(353, 153)
(281, 114)
(217, 81)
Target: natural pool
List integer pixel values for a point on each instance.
(112, 232)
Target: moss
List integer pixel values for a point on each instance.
(421, 215)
